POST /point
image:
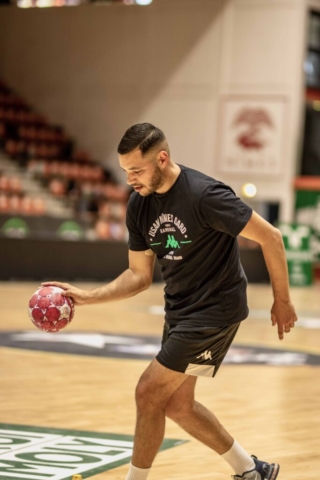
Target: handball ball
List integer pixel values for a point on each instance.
(49, 310)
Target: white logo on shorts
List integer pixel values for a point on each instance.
(205, 355)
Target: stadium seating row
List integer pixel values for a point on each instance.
(45, 153)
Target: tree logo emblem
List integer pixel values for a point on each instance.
(254, 121)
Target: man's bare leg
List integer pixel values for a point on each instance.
(156, 385)
(199, 422)
(163, 392)
(196, 419)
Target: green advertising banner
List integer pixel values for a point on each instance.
(297, 243)
(307, 210)
(44, 227)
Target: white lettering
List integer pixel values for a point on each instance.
(180, 225)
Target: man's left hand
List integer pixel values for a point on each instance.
(284, 316)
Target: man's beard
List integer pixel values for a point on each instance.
(156, 181)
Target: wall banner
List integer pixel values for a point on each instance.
(251, 134)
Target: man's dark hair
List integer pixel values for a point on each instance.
(143, 136)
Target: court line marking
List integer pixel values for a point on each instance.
(247, 342)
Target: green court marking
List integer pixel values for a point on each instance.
(37, 453)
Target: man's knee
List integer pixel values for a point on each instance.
(156, 385)
(148, 395)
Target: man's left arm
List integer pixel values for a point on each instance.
(270, 239)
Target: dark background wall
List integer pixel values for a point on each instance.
(32, 259)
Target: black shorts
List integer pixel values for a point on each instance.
(199, 352)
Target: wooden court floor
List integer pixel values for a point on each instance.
(273, 411)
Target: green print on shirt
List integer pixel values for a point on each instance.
(172, 242)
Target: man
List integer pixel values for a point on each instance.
(190, 222)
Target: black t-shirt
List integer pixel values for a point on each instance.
(192, 229)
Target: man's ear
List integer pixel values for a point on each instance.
(163, 158)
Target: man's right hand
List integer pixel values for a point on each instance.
(80, 297)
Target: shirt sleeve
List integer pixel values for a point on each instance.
(223, 210)
(136, 240)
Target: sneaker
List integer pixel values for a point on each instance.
(263, 471)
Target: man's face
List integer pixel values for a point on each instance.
(143, 173)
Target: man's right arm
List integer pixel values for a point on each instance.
(135, 279)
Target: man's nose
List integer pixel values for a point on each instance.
(130, 178)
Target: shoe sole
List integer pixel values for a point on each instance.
(275, 472)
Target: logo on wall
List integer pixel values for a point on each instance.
(254, 121)
(15, 227)
(251, 135)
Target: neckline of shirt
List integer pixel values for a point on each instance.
(162, 195)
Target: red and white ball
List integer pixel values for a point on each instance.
(49, 310)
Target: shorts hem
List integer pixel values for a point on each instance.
(167, 366)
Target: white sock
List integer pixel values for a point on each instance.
(238, 459)
(136, 473)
